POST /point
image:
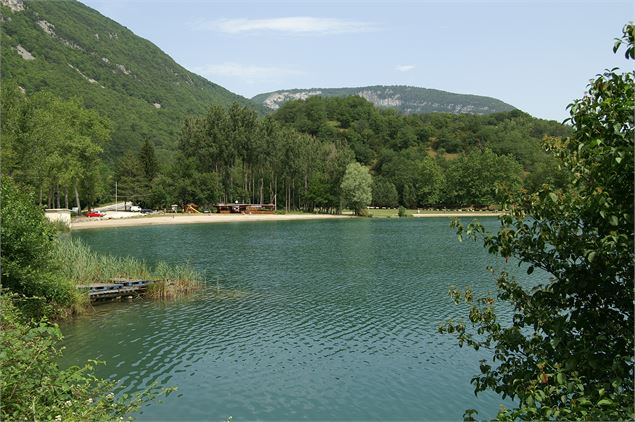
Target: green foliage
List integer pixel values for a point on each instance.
(81, 265)
(33, 387)
(230, 155)
(411, 151)
(50, 144)
(474, 179)
(384, 193)
(567, 352)
(402, 212)
(357, 187)
(28, 267)
(113, 71)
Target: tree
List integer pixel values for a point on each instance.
(51, 144)
(384, 193)
(567, 352)
(430, 181)
(129, 176)
(409, 197)
(474, 178)
(148, 162)
(357, 187)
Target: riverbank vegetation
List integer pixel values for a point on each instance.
(567, 352)
(39, 277)
(81, 265)
(33, 387)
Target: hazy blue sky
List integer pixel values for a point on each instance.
(537, 56)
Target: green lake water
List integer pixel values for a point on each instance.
(299, 320)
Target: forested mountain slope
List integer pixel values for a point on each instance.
(405, 99)
(72, 50)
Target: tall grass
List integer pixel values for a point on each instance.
(81, 265)
(173, 281)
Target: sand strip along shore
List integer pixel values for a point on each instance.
(152, 220)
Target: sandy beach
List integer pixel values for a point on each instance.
(165, 219)
(155, 220)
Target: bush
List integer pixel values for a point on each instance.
(28, 267)
(33, 387)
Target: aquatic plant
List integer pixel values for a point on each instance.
(82, 266)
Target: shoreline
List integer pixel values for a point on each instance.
(194, 219)
(453, 214)
(237, 218)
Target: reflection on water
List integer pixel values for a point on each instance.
(299, 320)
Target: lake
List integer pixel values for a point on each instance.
(299, 320)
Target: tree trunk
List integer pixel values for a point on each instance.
(50, 198)
(262, 197)
(77, 204)
(66, 198)
(40, 195)
(57, 197)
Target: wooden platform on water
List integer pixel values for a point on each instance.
(120, 287)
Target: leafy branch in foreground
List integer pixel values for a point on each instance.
(567, 352)
(33, 387)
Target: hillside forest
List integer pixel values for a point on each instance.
(295, 158)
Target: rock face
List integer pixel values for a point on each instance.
(406, 99)
(276, 99)
(14, 5)
(23, 53)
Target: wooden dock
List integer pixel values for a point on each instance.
(120, 287)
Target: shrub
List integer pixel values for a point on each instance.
(33, 387)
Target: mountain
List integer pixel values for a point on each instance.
(405, 99)
(72, 50)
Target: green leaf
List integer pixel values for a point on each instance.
(553, 197)
(613, 221)
(605, 402)
(560, 378)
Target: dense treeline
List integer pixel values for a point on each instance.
(432, 159)
(295, 159)
(231, 155)
(54, 146)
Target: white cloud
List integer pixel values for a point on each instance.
(405, 67)
(250, 73)
(293, 24)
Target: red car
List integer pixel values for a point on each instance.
(95, 214)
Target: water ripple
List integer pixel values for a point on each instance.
(300, 320)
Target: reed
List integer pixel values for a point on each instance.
(81, 265)
(174, 281)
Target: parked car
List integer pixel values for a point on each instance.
(135, 208)
(95, 214)
(146, 211)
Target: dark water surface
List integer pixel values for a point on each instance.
(301, 320)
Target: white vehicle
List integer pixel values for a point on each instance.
(135, 208)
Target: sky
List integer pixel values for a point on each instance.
(535, 55)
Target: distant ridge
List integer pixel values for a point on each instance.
(71, 50)
(406, 99)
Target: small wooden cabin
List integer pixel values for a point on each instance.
(223, 208)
